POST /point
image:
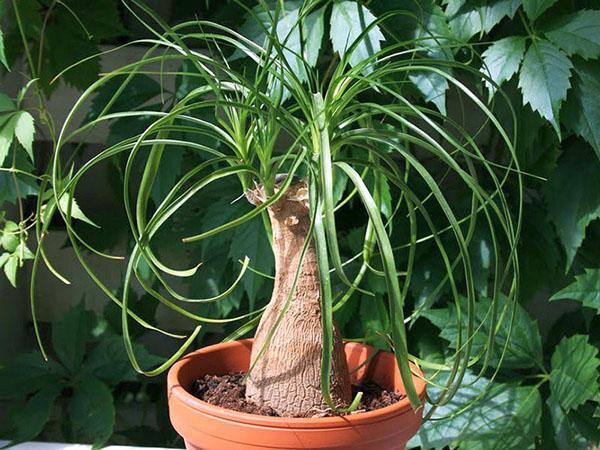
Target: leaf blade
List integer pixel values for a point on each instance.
(574, 375)
(535, 8)
(582, 110)
(577, 33)
(502, 60)
(544, 80)
(350, 20)
(585, 288)
(92, 410)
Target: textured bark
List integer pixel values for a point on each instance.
(286, 376)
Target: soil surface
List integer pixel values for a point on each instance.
(228, 391)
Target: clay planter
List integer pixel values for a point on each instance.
(204, 426)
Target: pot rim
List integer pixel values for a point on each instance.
(180, 393)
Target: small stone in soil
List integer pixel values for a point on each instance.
(229, 391)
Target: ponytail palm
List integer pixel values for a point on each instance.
(288, 133)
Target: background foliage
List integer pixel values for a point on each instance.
(543, 53)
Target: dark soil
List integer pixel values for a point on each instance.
(228, 391)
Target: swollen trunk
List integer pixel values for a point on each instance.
(286, 376)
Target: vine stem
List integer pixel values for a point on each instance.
(528, 29)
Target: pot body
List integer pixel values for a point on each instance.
(208, 427)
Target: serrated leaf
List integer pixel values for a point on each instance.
(169, 172)
(539, 255)
(6, 104)
(92, 411)
(348, 22)
(505, 418)
(109, 361)
(7, 133)
(9, 236)
(24, 131)
(574, 375)
(8, 192)
(428, 273)
(577, 33)
(10, 269)
(433, 87)
(535, 8)
(565, 434)
(59, 56)
(140, 90)
(502, 60)
(287, 31)
(544, 80)
(23, 251)
(27, 373)
(585, 288)
(250, 240)
(432, 34)
(524, 349)
(466, 19)
(2, 54)
(313, 28)
(582, 109)
(101, 18)
(76, 212)
(375, 321)
(70, 336)
(83, 25)
(187, 79)
(585, 423)
(31, 419)
(573, 197)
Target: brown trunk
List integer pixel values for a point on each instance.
(286, 376)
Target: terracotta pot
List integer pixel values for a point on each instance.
(204, 426)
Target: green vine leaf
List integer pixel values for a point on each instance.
(30, 420)
(298, 40)
(502, 60)
(348, 22)
(76, 212)
(70, 335)
(7, 133)
(9, 236)
(524, 349)
(10, 268)
(27, 373)
(544, 80)
(585, 288)
(582, 109)
(138, 91)
(577, 33)
(573, 197)
(2, 54)
(109, 361)
(92, 410)
(565, 433)
(24, 131)
(506, 417)
(574, 376)
(469, 18)
(535, 8)
(432, 34)
(307, 43)
(250, 240)
(375, 321)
